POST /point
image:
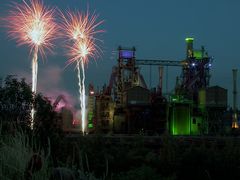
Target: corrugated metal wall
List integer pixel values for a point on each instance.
(216, 97)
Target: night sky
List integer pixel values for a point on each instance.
(157, 28)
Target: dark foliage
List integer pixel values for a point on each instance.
(15, 104)
(46, 126)
(175, 159)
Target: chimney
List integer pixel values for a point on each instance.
(235, 115)
(189, 42)
(160, 86)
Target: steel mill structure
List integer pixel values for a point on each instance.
(127, 105)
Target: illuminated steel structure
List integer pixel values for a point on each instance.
(126, 72)
(195, 72)
(134, 103)
(187, 110)
(195, 69)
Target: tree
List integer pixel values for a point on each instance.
(46, 121)
(15, 102)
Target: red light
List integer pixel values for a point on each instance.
(76, 122)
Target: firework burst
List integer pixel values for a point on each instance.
(80, 31)
(31, 23)
(80, 25)
(82, 50)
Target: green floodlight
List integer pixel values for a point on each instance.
(189, 39)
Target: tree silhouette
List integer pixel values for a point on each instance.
(15, 103)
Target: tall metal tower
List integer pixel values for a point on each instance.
(235, 115)
(195, 72)
(126, 72)
(91, 105)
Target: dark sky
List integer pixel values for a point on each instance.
(157, 28)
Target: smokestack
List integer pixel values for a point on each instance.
(160, 79)
(189, 42)
(235, 117)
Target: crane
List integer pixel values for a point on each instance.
(59, 98)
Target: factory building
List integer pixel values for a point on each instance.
(216, 96)
(66, 119)
(127, 106)
(136, 95)
(216, 107)
(136, 101)
(104, 109)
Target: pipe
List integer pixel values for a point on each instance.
(160, 79)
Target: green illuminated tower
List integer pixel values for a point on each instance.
(91, 109)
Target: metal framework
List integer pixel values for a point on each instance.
(195, 70)
(159, 62)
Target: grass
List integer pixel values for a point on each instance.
(15, 152)
(17, 149)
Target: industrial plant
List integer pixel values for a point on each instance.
(126, 105)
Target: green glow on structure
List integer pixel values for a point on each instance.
(196, 125)
(180, 123)
(90, 125)
(182, 120)
(90, 119)
(189, 39)
(202, 99)
(198, 54)
(174, 98)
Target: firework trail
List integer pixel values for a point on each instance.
(34, 70)
(83, 96)
(79, 83)
(80, 30)
(34, 80)
(31, 23)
